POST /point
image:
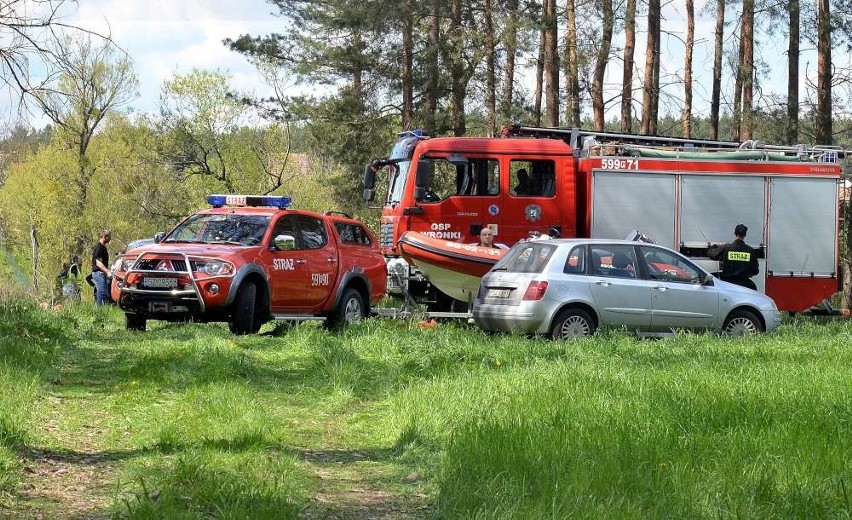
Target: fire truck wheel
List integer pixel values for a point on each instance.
(134, 322)
(572, 323)
(742, 323)
(244, 315)
(350, 309)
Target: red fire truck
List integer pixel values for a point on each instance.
(682, 193)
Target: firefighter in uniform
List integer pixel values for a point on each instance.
(739, 261)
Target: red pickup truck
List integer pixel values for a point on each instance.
(249, 259)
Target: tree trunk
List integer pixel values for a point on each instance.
(407, 66)
(572, 68)
(607, 22)
(823, 116)
(539, 80)
(650, 91)
(490, 74)
(736, 116)
(687, 69)
(627, 76)
(458, 82)
(792, 136)
(358, 69)
(510, 40)
(748, 68)
(717, 69)
(551, 63)
(432, 47)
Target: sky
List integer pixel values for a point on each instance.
(168, 37)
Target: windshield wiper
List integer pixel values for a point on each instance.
(228, 242)
(185, 241)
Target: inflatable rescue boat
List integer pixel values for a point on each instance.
(452, 267)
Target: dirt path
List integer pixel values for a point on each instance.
(354, 485)
(65, 482)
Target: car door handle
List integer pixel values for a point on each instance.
(662, 289)
(301, 261)
(603, 283)
(332, 260)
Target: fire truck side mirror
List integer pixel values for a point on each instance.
(369, 183)
(158, 236)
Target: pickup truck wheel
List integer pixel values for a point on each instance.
(350, 309)
(135, 322)
(244, 316)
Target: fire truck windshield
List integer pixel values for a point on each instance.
(401, 165)
(398, 175)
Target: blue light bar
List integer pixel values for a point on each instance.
(276, 201)
(413, 133)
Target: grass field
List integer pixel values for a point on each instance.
(388, 420)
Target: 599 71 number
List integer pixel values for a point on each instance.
(620, 164)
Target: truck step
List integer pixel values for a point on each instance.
(297, 317)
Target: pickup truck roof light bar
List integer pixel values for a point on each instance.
(276, 201)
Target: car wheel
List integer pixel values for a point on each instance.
(572, 323)
(135, 322)
(742, 323)
(351, 309)
(243, 318)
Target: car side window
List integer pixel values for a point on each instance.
(312, 232)
(576, 261)
(613, 260)
(668, 266)
(352, 234)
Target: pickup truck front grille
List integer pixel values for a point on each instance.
(151, 264)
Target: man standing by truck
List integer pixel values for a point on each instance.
(100, 268)
(738, 259)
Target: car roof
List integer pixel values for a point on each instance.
(593, 241)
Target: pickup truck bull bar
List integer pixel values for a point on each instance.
(192, 293)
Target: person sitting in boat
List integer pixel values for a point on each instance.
(486, 239)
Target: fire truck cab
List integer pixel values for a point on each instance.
(683, 193)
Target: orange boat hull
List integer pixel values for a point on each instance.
(452, 267)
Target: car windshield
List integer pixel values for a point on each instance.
(235, 229)
(527, 257)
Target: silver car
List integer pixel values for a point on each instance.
(570, 287)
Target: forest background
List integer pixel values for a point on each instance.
(373, 68)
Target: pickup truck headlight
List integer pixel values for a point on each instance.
(125, 264)
(214, 267)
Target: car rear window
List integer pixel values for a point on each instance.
(531, 257)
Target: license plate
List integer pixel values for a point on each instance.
(498, 293)
(160, 282)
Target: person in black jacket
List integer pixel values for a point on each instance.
(739, 260)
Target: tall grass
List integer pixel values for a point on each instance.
(693, 426)
(195, 422)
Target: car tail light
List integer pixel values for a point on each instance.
(535, 290)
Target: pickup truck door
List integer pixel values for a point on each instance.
(320, 256)
(288, 274)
